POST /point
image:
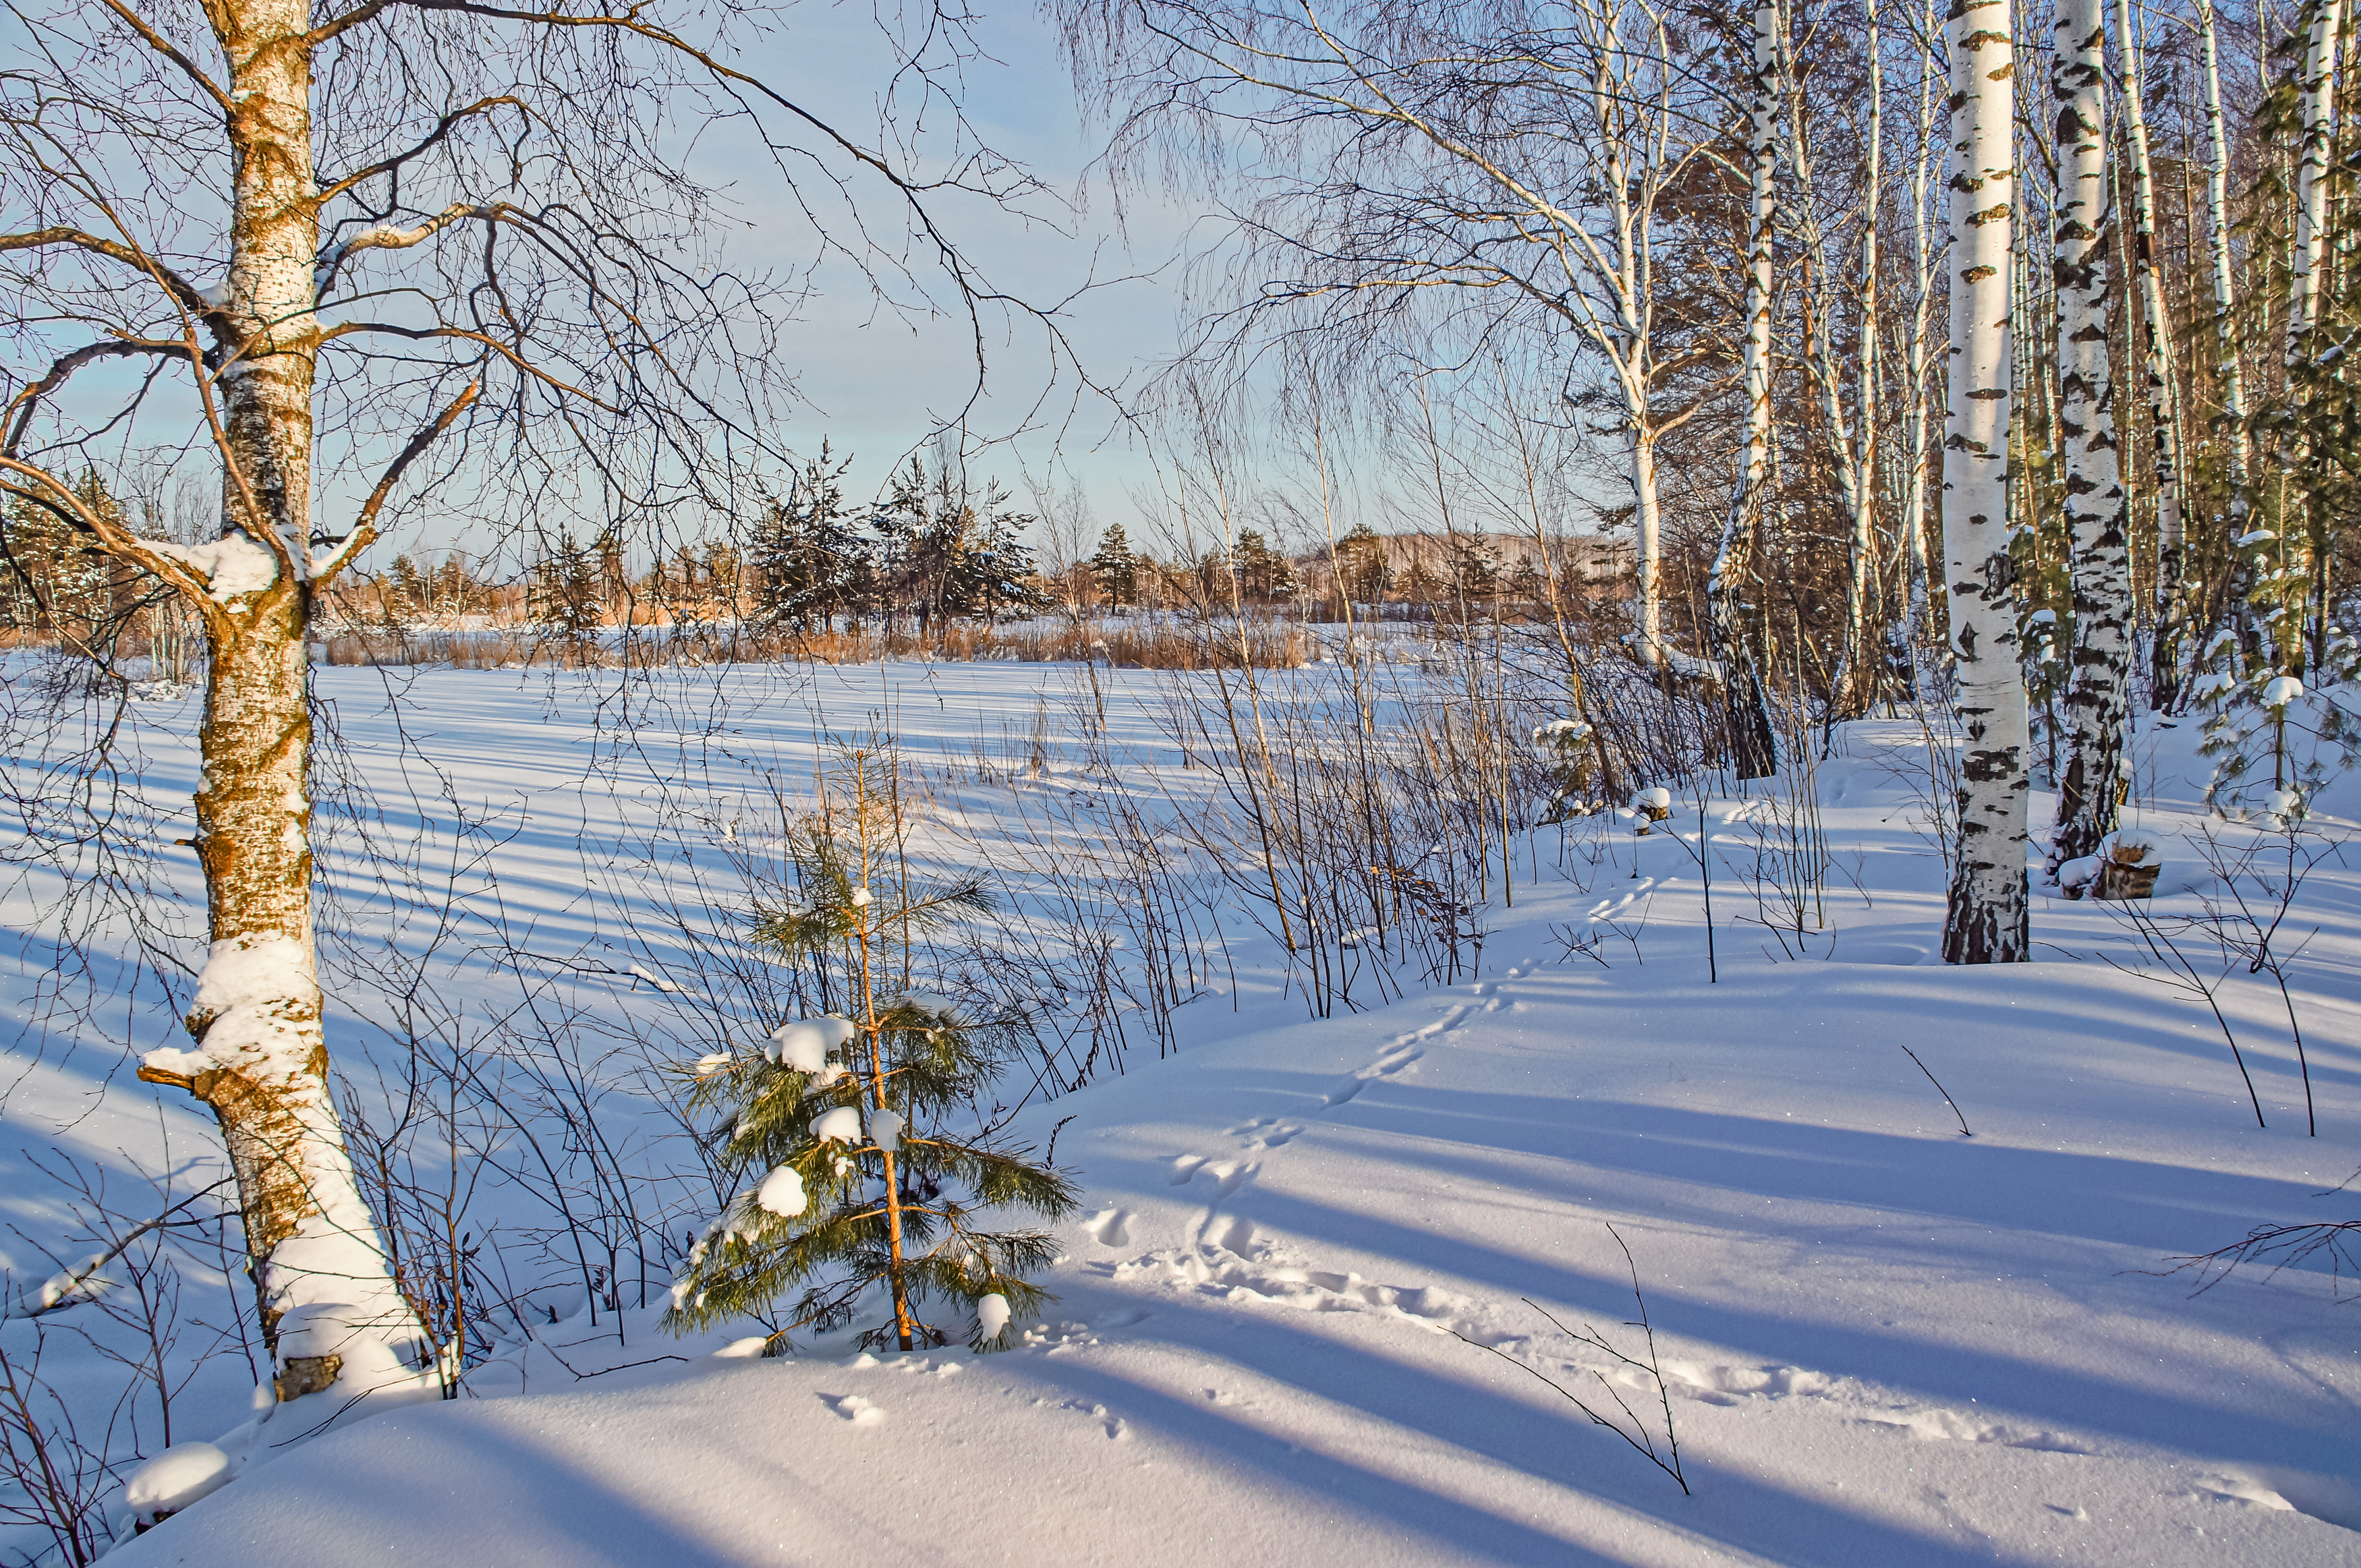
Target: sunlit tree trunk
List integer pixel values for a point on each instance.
(1732, 589)
(2097, 697)
(1987, 918)
(330, 1311)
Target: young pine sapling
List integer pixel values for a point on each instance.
(846, 1130)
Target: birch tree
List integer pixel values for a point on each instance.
(1732, 593)
(2220, 276)
(2308, 347)
(1987, 921)
(2096, 514)
(2153, 327)
(353, 259)
(1425, 173)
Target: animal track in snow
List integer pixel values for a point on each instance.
(1113, 1426)
(854, 1407)
(1735, 1385)
(1267, 1133)
(1112, 1227)
(2242, 1490)
(1955, 1426)
(1220, 1267)
(1228, 1174)
(1400, 1051)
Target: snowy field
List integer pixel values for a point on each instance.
(1328, 1269)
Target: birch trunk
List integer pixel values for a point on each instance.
(2089, 785)
(1866, 436)
(2307, 309)
(1916, 361)
(1647, 612)
(2322, 36)
(1987, 918)
(2224, 289)
(2156, 373)
(1746, 717)
(331, 1314)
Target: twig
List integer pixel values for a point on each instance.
(1939, 1089)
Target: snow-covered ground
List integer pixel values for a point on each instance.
(1327, 1265)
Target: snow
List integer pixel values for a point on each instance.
(176, 1478)
(2282, 691)
(245, 981)
(782, 1193)
(885, 1129)
(840, 1125)
(232, 565)
(991, 1315)
(804, 1043)
(1303, 1239)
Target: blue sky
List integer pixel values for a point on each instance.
(879, 380)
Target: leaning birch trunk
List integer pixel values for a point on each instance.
(331, 1314)
(1753, 753)
(2089, 785)
(2153, 327)
(1987, 918)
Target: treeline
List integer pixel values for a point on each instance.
(930, 556)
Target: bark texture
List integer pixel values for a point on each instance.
(1987, 918)
(2153, 328)
(1731, 592)
(2097, 697)
(330, 1310)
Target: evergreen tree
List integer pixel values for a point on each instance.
(1115, 569)
(846, 1128)
(563, 599)
(949, 555)
(1361, 569)
(1265, 575)
(810, 560)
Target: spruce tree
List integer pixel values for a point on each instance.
(1115, 569)
(1360, 561)
(846, 1130)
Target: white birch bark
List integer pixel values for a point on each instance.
(2153, 328)
(1917, 351)
(1987, 918)
(2307, 311)
(1866, 370)
(1753, 754)
(1647, 612)
(2227, 365)
(331, 1313)
(2096, 514)
(2322, 36)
